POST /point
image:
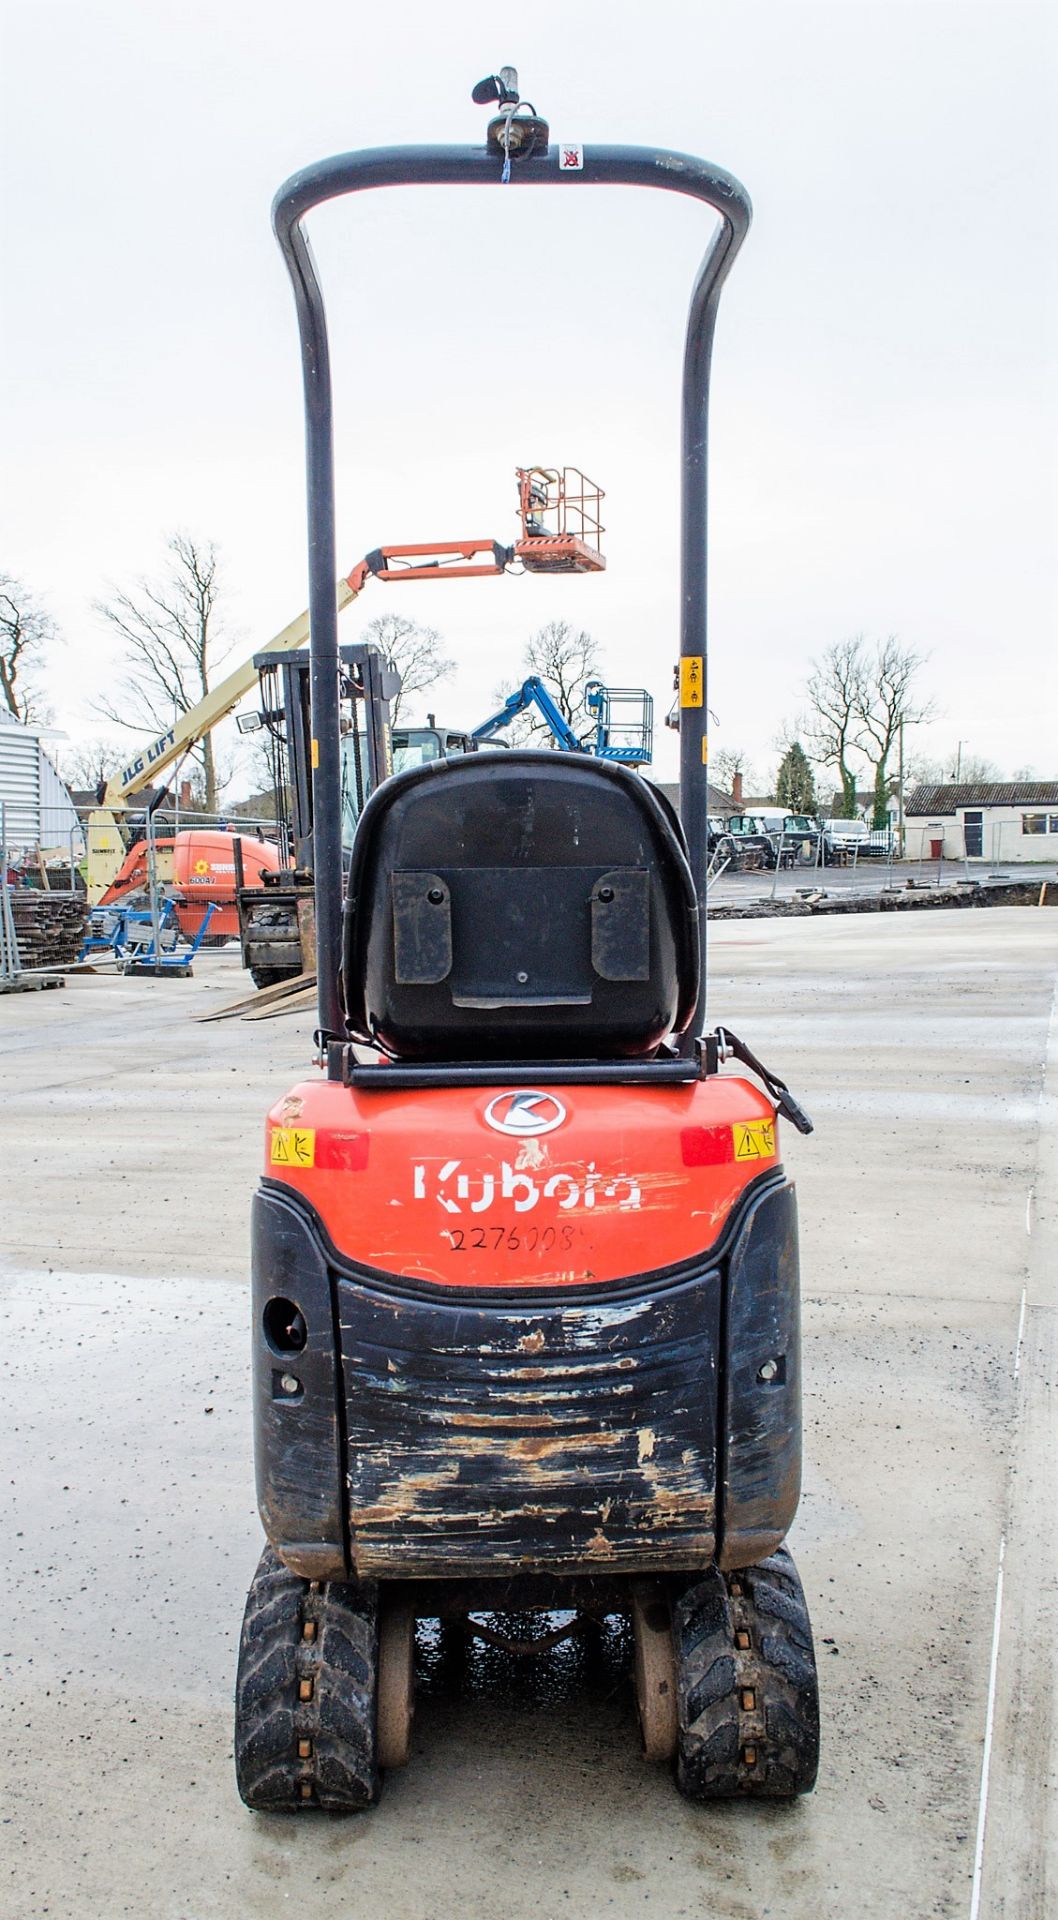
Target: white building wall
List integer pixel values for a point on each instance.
(1003, 838)
(37, 807)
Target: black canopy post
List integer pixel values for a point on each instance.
(475, 166)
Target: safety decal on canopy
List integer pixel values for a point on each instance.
(692, 680)
(571, 157)
(293, 1147)
(754, 1139)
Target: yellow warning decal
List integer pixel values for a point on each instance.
(315, 753)
(692, 680)
(754, 1139)
(293, 1147)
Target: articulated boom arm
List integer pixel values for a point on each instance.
(531, 693)
(569, 546)
(438, 560)
(192, 726)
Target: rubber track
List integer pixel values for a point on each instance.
(316, 1639)
(271, 976)
(746, 1677)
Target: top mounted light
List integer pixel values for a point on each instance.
(517, 130)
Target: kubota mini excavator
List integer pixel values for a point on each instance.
(525, 1280)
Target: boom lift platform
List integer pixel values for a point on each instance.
(624, 720)
(525, 1290)
(559, 509)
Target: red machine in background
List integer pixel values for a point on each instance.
(200, 872)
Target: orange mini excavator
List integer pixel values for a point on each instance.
(525, 1271)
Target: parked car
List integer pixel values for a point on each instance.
(747, 843)
(796, 834)
(845, 840)
(734, 849)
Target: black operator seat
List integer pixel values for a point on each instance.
(519, 906)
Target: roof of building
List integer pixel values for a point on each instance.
(983, 793)
(719, 802)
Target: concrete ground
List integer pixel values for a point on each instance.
(130, 1139)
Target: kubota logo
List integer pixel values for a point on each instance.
(525, 1114)
(458, 1189)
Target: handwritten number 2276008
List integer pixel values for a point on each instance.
(470, 1239)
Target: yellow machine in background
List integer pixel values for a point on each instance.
(106, 845)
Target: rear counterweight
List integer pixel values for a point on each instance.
(407, 1432)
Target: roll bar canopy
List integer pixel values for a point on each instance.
(565, 169)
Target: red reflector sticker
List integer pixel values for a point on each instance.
(342, 1152)
(707, 1146)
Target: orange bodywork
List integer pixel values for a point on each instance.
(203, 874)
(440, 560)
(421, 1186)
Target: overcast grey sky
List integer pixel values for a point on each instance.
(883, 448)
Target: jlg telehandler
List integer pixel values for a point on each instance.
(525, 1289)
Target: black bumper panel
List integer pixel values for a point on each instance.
(478, 1438)
(297, 1439)
(761, 1435)
(575, 1436)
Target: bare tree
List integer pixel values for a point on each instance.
(885, 703)
(26, 631)
(836, 694)
(929, 770)
(566, 659)
(88, 764)
(725, 767)
(415, 652)
(173, 638)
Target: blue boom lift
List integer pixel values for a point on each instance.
(624, 720)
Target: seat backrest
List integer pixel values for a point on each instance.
(519, 906)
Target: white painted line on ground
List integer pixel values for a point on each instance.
(1045, 1111)
(986, 1757)
(1021, 1335)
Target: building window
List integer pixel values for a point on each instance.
(1053, 828)
(1034, 823)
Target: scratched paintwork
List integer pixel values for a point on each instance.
(455, 1457)
(493, 1436)
(613, 1191)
